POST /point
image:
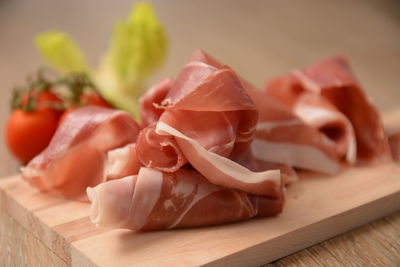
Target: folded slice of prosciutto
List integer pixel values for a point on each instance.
(199, 168)
(281, 136)
(76, 156)
(155, 200)
(122, 161)
(327, 96)
(159, 151)
(208, 113)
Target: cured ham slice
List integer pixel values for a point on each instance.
(76, 156)
(150, 102)
(392, 131)
(394, 142)
(331, 81)
(280, 135)
(199, 167)
(156, 200)
(320, 114)
(122, 162)
(159, 152)
(222, 171)
(244, 156)
(208, 113)
(283, 137)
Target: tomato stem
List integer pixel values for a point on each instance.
(68, 88)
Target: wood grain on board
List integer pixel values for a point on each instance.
(318, 207)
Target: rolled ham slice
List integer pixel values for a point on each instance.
(331, 81)
(122, 162)
(155, 200)
(158, 151)
(76, 156)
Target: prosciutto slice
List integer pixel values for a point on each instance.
(320, 114)
(76, 156)
(327, 96)
(208, 113)
(280, 135)
(122, 162)
(150, 102)
(158, 151)
(394, 142)
(156, 200)
(199, 166)
(283, 137)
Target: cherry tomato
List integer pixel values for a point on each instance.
(28, 133)
(45, 100)
(94, 99)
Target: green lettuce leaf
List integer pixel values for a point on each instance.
(61, 52)
(138, 49)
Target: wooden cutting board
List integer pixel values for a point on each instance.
(53, 231)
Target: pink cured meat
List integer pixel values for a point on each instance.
(281, 136)
(122, 161)
(394, 142)
(154, 200)
(332, 81)
(83, 139)
(158, 151)
(321, 115)
(199, 168)
(150, 102)
(208, 113)
(284, 137)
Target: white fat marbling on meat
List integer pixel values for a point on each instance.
(182, 189)
(210, 164)
(307, 83)
(147, 193)
(315, 116)
(168, 204)
(351, 155)
(203, 190)
(296, 155)
(242, 204)
(268, 126)
(318, 117)
(224, 147)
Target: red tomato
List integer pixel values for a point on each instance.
(45, 100)
(94, 99)
(28, 133)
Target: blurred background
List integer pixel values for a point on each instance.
(260, 39)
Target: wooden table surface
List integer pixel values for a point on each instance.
(259, 39)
